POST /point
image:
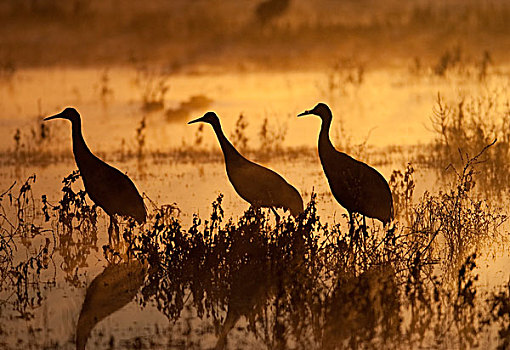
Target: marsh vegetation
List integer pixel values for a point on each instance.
(418, 90)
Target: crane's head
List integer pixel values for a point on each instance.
(322, 110)
(209, 117)
(69, 113)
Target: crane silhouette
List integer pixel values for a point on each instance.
(268, 10)
(259, 186)
(106, 186)
(358, 187)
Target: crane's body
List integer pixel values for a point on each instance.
(106, 186)
(259, 186)
(358, 187)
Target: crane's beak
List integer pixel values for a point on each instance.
(56, 116)
(201, 119)
(304, 113)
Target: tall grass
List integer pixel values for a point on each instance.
(298, 281)
(311, 283)
(470, 124)
(26, 250)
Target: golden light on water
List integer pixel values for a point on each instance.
(418, 91)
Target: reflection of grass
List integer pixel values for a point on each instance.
(301, 279)
(76, 228)
(499, 303)
(312, 282)
(20, 269)
(465, 222)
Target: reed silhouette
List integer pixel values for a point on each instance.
(358, 187)
(233, 271)
(111, 290)
(106, 186)
(259, 186)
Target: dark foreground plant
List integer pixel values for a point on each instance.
(499, 304)
(25, 250)
(76, 228)
(463, 222)
(301, 282)
(470, 124)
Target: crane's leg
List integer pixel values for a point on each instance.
(276, 215)
(365, 233)
(116, 226)
(110, 231)
(351, 224)
(351, 231)
(113, 228)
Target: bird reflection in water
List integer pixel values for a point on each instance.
(111, 290)
(361, 306)
(289, 284)
(227, 273)
(252, 285)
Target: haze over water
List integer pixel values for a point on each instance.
(419, 82)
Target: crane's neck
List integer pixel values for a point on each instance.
(80, 150)
(229, 152)
(325, 144)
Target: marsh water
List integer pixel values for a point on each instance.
(136, 120)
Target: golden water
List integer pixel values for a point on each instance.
(388, 108)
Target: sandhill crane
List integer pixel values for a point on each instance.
(106, 186)
(358, 187)
(259, 186)
(268, 10)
